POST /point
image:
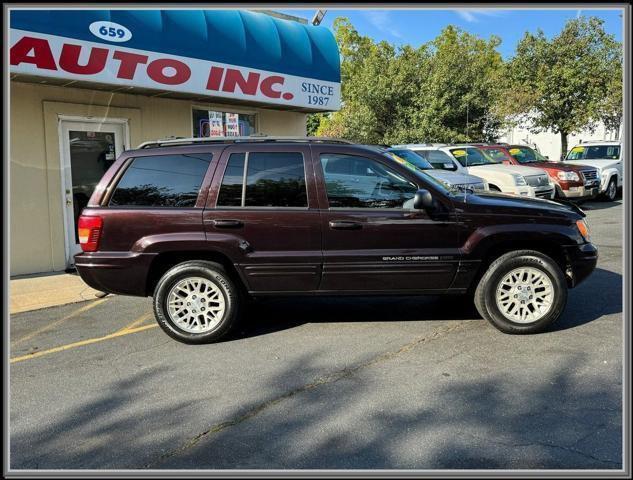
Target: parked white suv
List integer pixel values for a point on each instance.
(607, 158)
(513, 179)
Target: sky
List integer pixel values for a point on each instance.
(415, 27)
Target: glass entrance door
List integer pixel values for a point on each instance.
(88, 150)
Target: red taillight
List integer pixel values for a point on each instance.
(89, 229)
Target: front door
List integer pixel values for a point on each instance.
(87, 151)
(373, 240)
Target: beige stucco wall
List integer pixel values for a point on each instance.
(36, 210)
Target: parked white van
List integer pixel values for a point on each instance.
(606, 156)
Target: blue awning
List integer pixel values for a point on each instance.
(237, 37)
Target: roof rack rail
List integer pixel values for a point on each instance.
(170, 141)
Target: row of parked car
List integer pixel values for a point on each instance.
(588, 170)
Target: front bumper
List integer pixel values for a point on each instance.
(528, 191)
(113, 272)
(582, 191)
(582, 260)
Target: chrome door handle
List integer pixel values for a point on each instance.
(227, 223)
(345, 225)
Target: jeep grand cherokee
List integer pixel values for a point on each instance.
(200, 224)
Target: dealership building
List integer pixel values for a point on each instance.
(88, 84)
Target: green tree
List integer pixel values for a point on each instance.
(378, 82)
(442, 91)
(313, 121)
(565, 84)
(611, 109)
(458, 90)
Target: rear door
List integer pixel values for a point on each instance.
(373, 240)
(263, 212)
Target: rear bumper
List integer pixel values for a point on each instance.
(123, 274)
(582, 261)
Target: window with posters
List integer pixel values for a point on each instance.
(215, 123)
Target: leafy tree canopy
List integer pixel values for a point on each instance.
(565, 84)
(457, 88)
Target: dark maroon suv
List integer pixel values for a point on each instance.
(200, 225)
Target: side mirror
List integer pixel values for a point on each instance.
(423, 200)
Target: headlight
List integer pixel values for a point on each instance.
(519, 181)
(583, 228)
(571, 176)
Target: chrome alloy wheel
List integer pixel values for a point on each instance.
(525, 295)
(195, 305)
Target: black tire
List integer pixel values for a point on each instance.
(611, 192)
(215, 273)
(485, 301)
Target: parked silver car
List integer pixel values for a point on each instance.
(460, 180)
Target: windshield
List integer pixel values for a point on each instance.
(445, 187)
(412, 157)
(526, 155)
(471, 156)
(438, 159)
(595, 152)
(497, 154)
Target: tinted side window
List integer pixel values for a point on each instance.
(162, 181)
(276, 180)
(231, 189)
(358, 182)
(273, 179)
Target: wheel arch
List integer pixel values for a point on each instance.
(166, 260)
(496, 247)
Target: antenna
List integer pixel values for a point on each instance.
(318, 17)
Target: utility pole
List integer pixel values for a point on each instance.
(467, 121)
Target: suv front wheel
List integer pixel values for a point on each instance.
(196, 302)
(522, 292)
(612, 190)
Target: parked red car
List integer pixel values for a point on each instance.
(573, 182)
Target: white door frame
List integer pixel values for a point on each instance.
(64, 162)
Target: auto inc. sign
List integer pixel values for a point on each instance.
(54, 56)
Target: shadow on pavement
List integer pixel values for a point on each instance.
(598, 295)
(560, 421)
(355, 418)
(269, 315)
(600, 205)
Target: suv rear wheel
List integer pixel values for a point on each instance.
(522, 292)
(196, 302)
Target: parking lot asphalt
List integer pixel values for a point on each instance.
(308, 383)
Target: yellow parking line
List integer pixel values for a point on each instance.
(136, 322)
(83, 309)
(89, 341)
